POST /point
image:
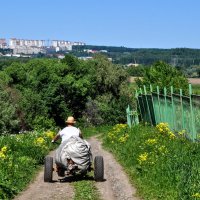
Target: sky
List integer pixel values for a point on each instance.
(128, 23)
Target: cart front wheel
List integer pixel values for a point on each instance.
(48, 169)
(98, 168)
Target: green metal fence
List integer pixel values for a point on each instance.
(132, 117)
(179, 111)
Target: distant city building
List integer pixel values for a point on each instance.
(62, 45)
(78, 43)
(28, 43)
(24, 46)
(3, 43)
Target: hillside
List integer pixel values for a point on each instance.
(186, 59)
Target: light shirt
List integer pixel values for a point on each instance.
(67, 132)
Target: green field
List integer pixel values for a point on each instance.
(161, 164)
(20, 157)
(196, 89)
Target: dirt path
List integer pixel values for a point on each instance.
(40, 190)
(115, 187)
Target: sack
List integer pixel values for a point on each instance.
(77, 149)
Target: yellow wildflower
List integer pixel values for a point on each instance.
(50, 134)
(2, 155)
(4, 149)
(171, 135)
(151, 141)
(123, 139)
(197, 195)
(182, 133)
(142, 157)
(162, 127)
(40, 140)
(163, 149)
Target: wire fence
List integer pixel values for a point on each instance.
(179, 111)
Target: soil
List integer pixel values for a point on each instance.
(115, 186)
(194, 81)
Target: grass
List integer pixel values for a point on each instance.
(85, 189)
(196, 89)
(91, 131)
(161, 164)
(20, 156)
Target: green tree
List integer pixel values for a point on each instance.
(8, 112)
(50, 89)
(111, 93)
(135, 71)
(163, 75)
(198, 71)
(46, 91)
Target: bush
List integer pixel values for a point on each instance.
(48, 90)
(162, 164)
(19, 157)
(163, 75)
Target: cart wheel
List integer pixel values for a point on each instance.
(48, 169)
(98, 168)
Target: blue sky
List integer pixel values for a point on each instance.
(129, 23)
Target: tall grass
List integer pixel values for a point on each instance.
(196, 89)
(92, 131)
(162, 165)
(20, 156)
(85, 188)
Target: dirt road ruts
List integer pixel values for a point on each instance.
(116, 185)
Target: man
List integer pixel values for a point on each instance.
(68, 131)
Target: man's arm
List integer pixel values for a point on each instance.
(80, 134)
(56, 138)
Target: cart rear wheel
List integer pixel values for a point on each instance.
(48, 169)
(98, 168)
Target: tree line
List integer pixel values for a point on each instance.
(185, 59)
(41, 93)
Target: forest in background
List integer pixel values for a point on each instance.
(185, 59)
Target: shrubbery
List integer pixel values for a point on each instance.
(43, 92)
(19, 157)
(162, 164)
(163, 75)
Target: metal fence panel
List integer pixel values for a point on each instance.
(180, 112)
(196, 109)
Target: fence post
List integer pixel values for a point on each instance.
(173, 111)
(158, 96)
(182, 111)
(145, 92)
(194, 134)
(151, 89)
(165, 113)
(128, 116)
(142, 114)
(138, 103)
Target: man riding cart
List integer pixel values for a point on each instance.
(73, 155)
